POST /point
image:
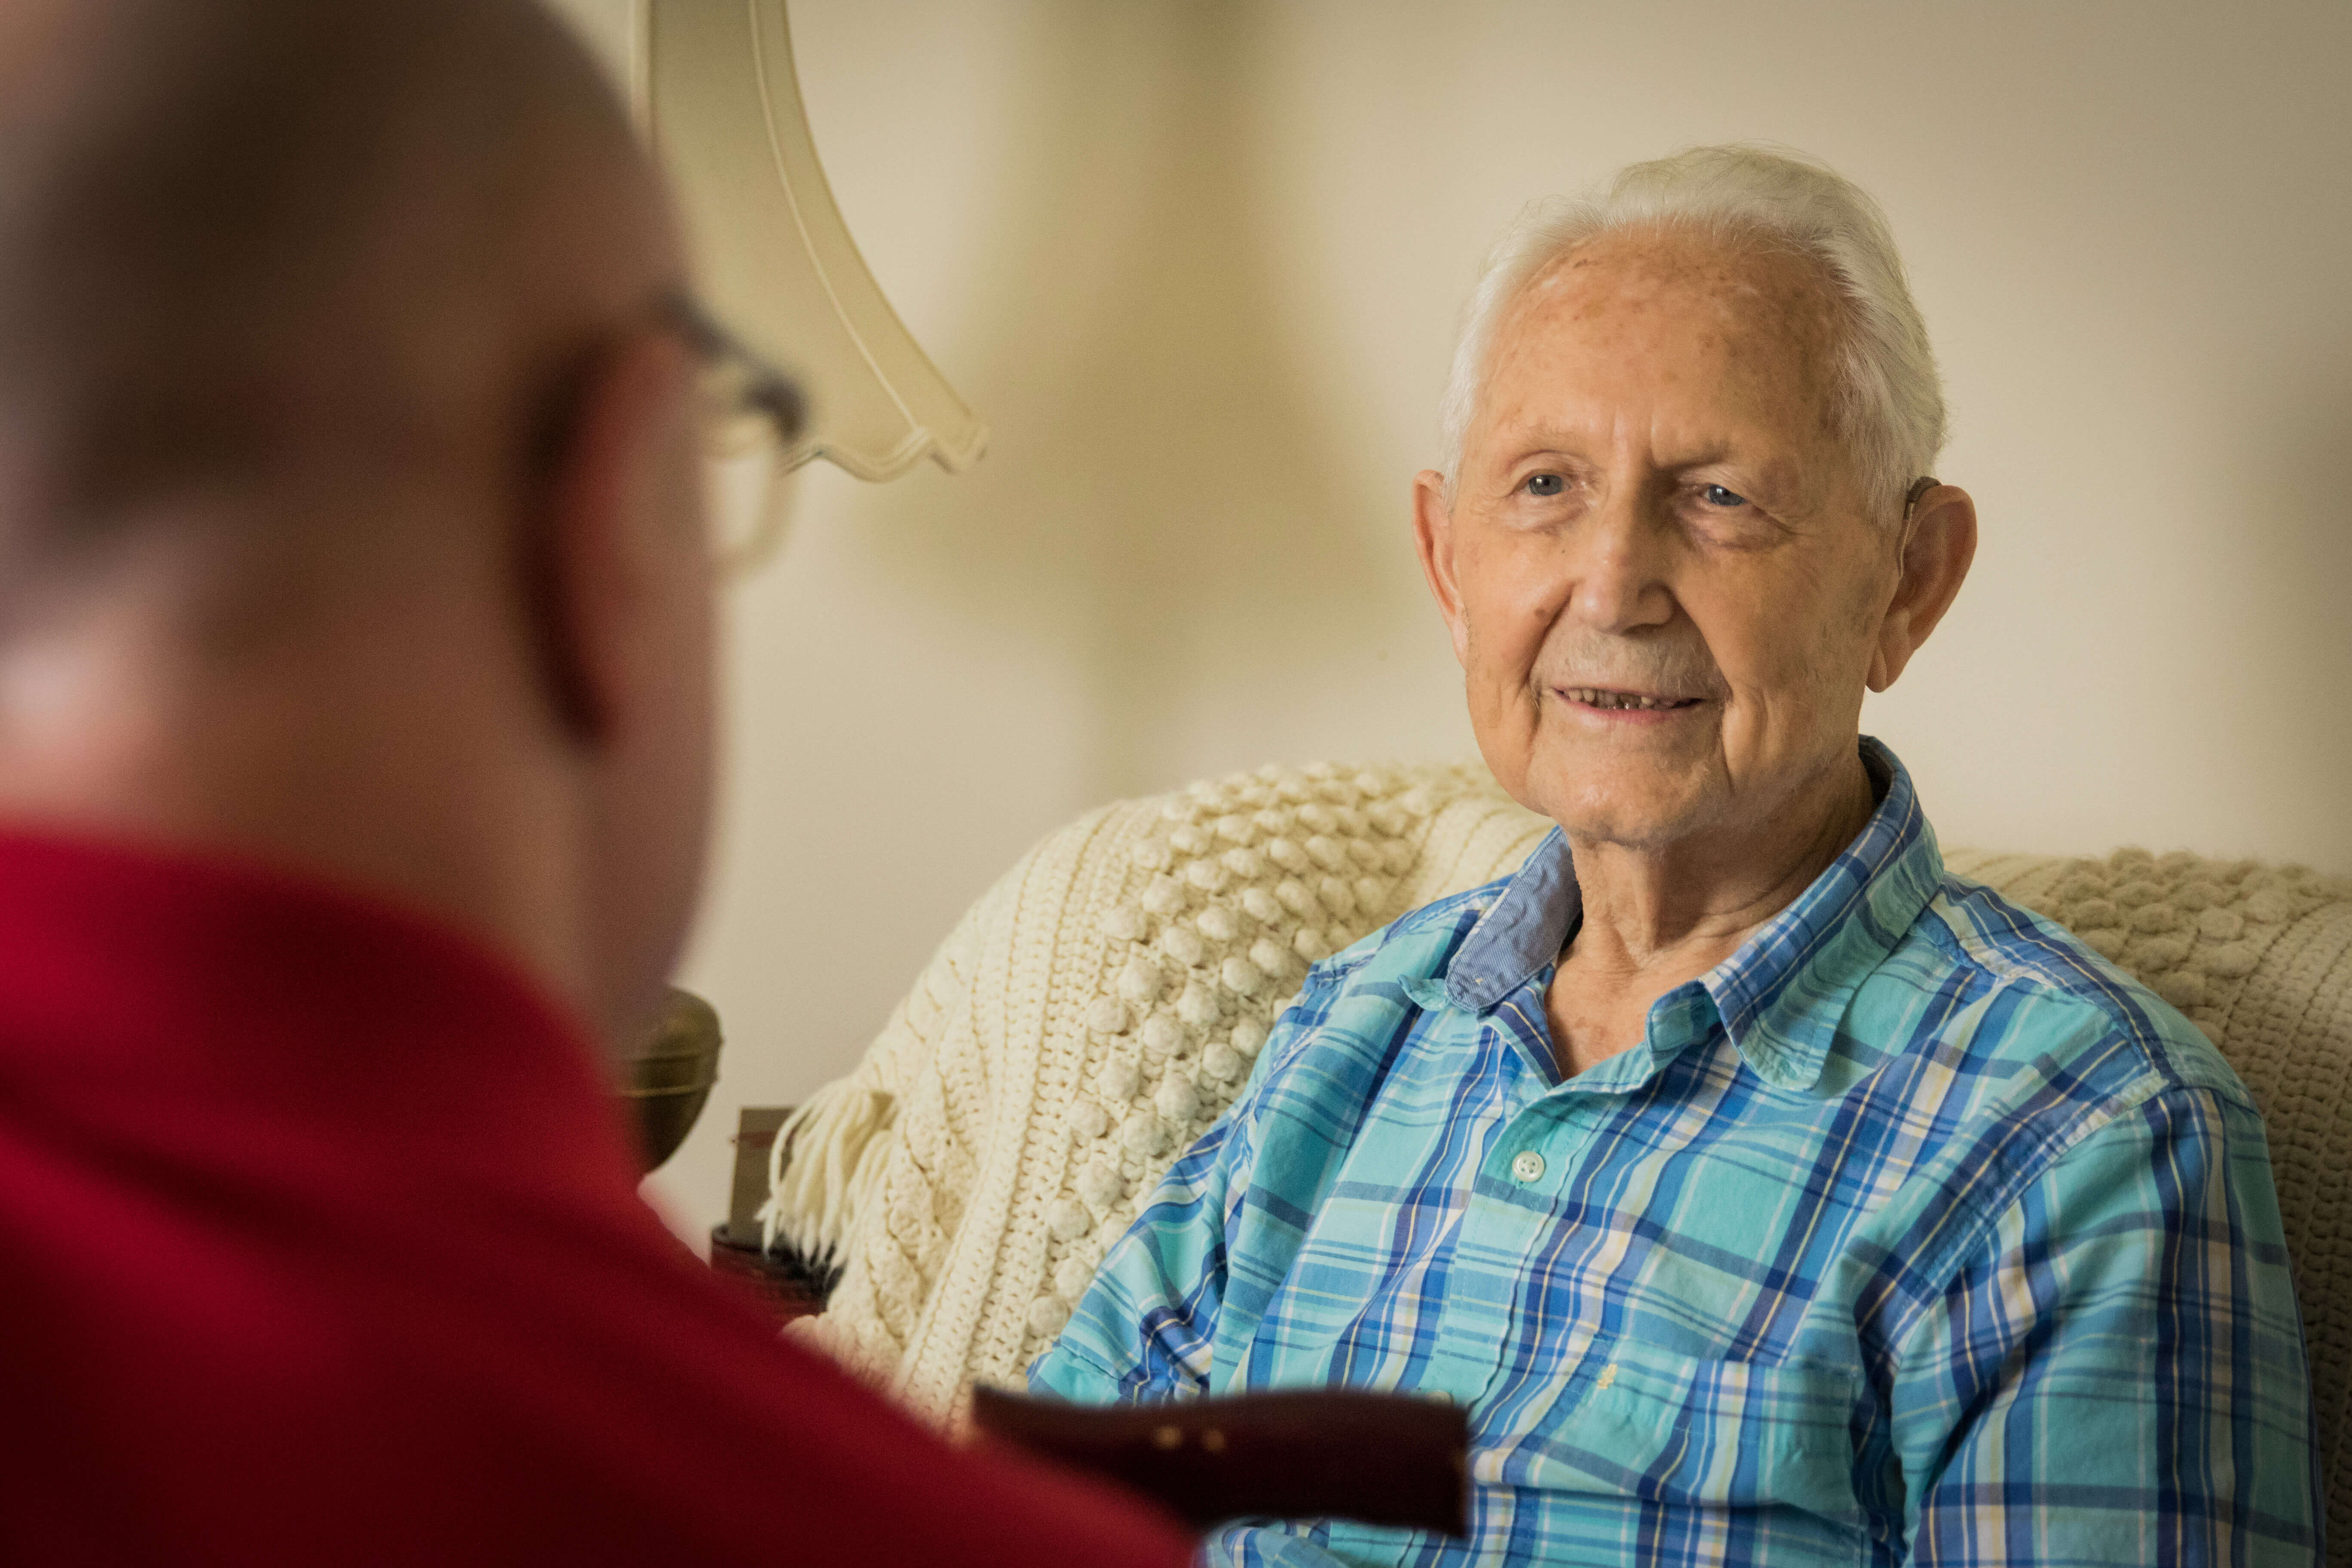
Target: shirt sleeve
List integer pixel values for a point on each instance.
(2120, 1377)
(1143, 1330)
(1263, 1546)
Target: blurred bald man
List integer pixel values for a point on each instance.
(355, 652)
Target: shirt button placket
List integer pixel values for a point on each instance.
(1526, 1167)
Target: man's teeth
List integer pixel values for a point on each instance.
(1593, 696)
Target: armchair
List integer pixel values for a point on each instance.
(1099, 1006)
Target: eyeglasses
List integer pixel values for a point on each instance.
(753, 415)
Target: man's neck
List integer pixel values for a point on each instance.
(320, 752)
(1656, 917)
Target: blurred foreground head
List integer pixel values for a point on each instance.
(349, 478)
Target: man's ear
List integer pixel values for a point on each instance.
(1432, 539)
(1939, 542)
(595, 551)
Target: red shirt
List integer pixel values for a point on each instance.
(319, 1241)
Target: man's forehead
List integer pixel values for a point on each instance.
(1742, 289)
(1672, 314)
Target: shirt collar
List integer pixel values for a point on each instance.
(1782, 995)
(188, 986)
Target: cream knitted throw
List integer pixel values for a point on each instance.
(1098, 1007)
(1087, 1019)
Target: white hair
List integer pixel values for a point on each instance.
(1888, 404)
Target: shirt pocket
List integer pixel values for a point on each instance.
(1702, 1436)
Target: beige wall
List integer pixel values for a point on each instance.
(1199, 265)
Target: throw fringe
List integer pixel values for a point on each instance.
(837, 1146)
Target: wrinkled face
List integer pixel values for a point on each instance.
(1661, 582)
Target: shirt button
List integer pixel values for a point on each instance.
(1527, 1166)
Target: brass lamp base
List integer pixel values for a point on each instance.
(667, 1078)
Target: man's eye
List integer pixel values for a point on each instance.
(1545, 485)
(1715, 495)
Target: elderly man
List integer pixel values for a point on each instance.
(355, 752)
(1768, 1194)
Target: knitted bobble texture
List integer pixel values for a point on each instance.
(2190, 929)
(1107, 1001)
(1206, 951)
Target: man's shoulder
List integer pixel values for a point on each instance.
(2041, 1004)
(1350, 1001)
(1417, 944)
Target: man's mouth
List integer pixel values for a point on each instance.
(1603, 698)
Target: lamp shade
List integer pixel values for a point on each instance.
(721, 103)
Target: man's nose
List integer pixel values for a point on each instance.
(1620, 558)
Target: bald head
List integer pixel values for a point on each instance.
(238, 234)
(349, 507)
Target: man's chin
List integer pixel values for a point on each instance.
(1623, 830)
(1635, 809)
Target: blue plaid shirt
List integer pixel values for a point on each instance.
(1914, 1231)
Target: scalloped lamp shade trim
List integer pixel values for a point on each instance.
(719, 99)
